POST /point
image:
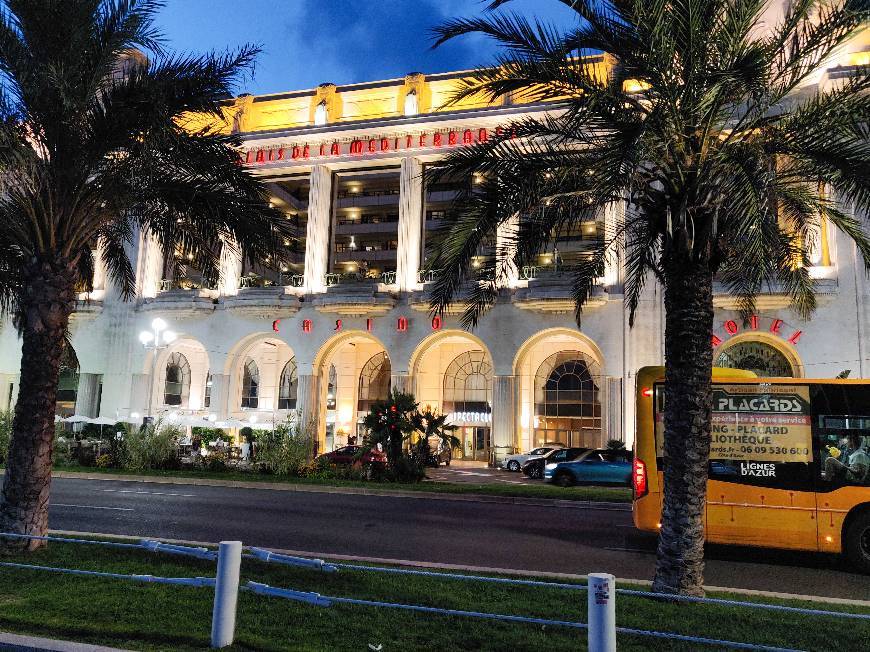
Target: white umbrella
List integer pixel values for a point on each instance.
(104, 421)
(78, 418)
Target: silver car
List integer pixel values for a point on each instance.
(515, 462)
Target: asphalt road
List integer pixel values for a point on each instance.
(497, 535)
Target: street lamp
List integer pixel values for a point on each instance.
(157, 339)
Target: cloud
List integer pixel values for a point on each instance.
(345, 42)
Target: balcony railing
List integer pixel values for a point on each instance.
(332, 279)
(284, 280)
(168, 284)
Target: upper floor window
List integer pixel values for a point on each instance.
(289, 385)
(321, 114)
(411, 104)
(177, 385)
(250, 385)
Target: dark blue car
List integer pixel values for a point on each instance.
(602, 466)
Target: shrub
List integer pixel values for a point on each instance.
(61, 449)
(211, 434)
(104, 461)
(286, 449)
(5, 434)
(154, 446)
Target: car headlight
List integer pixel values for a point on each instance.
(550, 466)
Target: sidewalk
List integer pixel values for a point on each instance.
(17, 643)
(358, 491)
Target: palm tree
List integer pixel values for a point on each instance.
(97, 146)
(720, 155)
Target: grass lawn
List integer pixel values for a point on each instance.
(541, 490)
(155, 617)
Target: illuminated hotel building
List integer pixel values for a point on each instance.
(346, 319)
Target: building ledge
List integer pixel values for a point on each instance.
(356, 299)
(87, 309)
(262, 302)
(554, 295)
(180, 302)
(775, 298)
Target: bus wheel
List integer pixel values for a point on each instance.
(857, 543)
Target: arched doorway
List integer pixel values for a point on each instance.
(759, 356)
(354, 370)
(263, 381)
(452, 373)
(561, 391)
(181, 382)
(568, 400)
(467, 399)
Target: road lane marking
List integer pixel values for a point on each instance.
(119, 509)
(150, 493)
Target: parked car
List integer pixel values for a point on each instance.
(515, 462)
(534, 467)
(603, 466)
(348, 455)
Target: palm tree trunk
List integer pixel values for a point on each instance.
(688, 401)
(48, 301)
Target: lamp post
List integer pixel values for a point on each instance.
(157, 339)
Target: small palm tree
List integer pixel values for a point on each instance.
(97, 146)
(432, 424)
(718, 154)
(391, 423)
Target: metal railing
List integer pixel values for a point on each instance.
(601, 591)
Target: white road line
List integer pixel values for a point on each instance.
(150, 493)
(119, 509)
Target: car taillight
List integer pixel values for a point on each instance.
(638, 477)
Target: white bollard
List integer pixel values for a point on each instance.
(601, 598)
(226, 594)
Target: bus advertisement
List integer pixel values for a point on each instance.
(789, 462)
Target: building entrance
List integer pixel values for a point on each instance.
(475, 443)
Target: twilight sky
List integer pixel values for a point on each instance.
(308, 42)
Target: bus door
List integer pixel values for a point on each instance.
(761, 488)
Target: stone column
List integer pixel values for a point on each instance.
(8, 391)
(504, 407)
(308, 405)
(230, 270)
(139, 390)
(149, 268)
(505, 246)
(614, 214)
(88, 395)
(410, 223)
(317, 235)
(219, 401)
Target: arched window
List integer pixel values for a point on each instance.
(411, 104)
(177, 386)
(289, 383)
(468, 384)
(206, 395)
(374, 382)
(321, 114)
(760, 357)
(250, 385)
(567, 400)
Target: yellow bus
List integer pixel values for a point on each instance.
(788, 462)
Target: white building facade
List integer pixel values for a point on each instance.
(347, 319)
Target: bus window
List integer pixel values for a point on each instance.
(841, 434)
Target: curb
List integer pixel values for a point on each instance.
(355, 491)
(21, 643)
(328, 556)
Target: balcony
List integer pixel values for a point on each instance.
(355, 295)
(774, 295)
(550, 290)
(421, 299)
(88, 305)
(263, 301)
(183, 297)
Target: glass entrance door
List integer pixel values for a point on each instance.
(475, 443)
